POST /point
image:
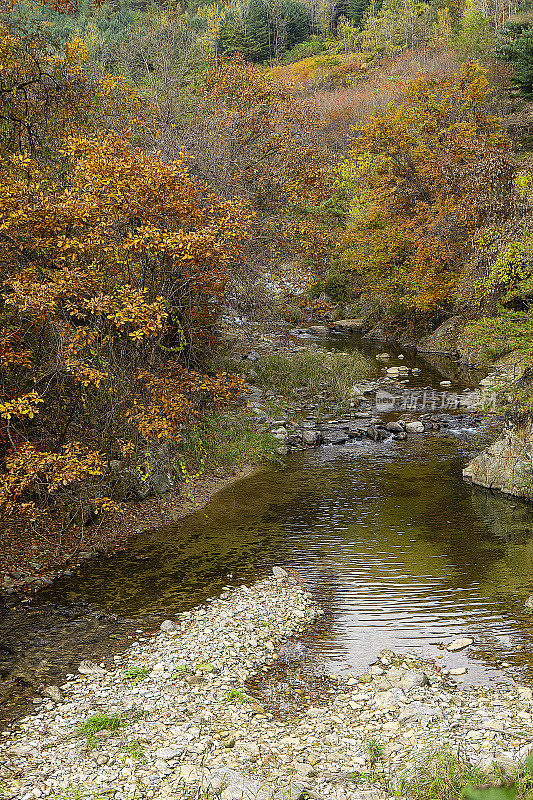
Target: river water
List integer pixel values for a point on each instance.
(398, 549)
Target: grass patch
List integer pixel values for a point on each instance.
(305, 374)
(230, 440)
(374, 750)
(237, 696)
(440, 775)
(448, 775)
(103, 721)
(187, 792)
(76, 793)
(179, 671)
(135, 675)
(134, 749)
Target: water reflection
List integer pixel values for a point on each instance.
(399, 550)
(402, 552)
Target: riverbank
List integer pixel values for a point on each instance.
(114, 533)
(31, 564)
(177, 713)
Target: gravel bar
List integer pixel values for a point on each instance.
(175, 715)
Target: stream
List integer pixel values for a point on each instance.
(401, 553)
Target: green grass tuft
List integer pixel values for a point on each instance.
(134, 749)
(303, 375)
(447, 775)
(236, 695)
(135, 675)
(103, 721)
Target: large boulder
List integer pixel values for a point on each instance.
(377, 334)
(506, 465)
(445, 339)
(349, 325)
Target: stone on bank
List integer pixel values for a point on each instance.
(192, 721)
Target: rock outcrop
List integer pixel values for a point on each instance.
(507, 465)
(445, 339)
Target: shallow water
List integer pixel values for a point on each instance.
(402, 553)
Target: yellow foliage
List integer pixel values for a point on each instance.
(423, 176)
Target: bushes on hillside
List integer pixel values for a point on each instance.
(423, 176)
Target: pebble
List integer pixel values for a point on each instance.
(191, 721)
(459, 644)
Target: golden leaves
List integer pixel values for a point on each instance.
(417, 178)
(24, 406)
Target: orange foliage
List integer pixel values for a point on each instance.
(112, 271)
(424, 175)
(252, 139)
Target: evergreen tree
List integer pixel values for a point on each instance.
(257, 30)
(297, 27)
(232, 39)
(356, 10)
(518, 52)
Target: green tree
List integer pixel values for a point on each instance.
(517, 50)
(232, 39)
(297, 27)
(257, 29)
(475, 37)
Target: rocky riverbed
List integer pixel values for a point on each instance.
(178, 712)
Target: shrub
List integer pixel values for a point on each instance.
(423, 177)
(306, 49)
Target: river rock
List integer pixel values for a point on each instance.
(349, 325)
(372, 433)
(414, 427)
(334, 437)
(390, 699)
(318, 330)
(279, 572)
(376, 334)
(54, 693)
(394, 427)
(413, 680)
(445, 339)
(190, 774)
(529, 602)
(459, 644)
(506, 464)
(91, 668)
(418, 711)
(311, 438)
(21, 750)
(167, 753)
(167, 626)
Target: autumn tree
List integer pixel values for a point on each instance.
(111, 282)
(249, 138)
(423, 176)
(113, 264)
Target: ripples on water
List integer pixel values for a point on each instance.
(399, 550)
